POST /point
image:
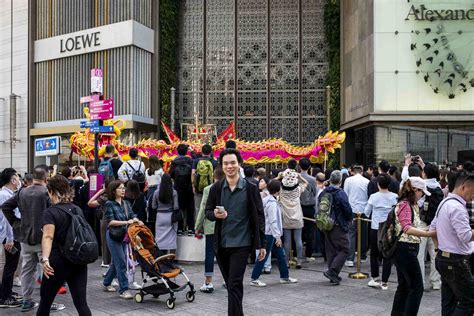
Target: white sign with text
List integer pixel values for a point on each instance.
(96, 39)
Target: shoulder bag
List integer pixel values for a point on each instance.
(117, 233)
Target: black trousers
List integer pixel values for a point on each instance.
(309, 230)
(186, 205)
(457, 286)
(232, 263)
(11, 262)
(76, 278)
(410, 281)
(337, 249)
(375, 257)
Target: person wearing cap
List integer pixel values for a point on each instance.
(410, 281)
(455, 243)
(293, 185)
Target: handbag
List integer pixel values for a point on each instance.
(117, 233)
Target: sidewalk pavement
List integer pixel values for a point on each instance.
(312, 295)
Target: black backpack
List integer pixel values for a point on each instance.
(387, 238)
(80, 245)
(428, 211)
(182, 176)
(138, 175)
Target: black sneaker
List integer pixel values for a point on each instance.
(333, 278)
(190, 233)
(16, 296)
(10, 302)
(180, 232)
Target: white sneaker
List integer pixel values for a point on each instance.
(115, 283)
(288, 281)
(374, 283)
(109, 288)
(349, 264)
(257, 283)
(17, 282)
(126, 295)
(134, 286)
(207, 288)
(104, 265)
(383, 286)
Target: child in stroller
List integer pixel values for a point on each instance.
(157, 268)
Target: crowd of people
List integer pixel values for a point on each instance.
(295, 215)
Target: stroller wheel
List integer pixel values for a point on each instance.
(190, 296)
(170, 303)
(139, 298)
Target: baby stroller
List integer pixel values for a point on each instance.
(157, 269)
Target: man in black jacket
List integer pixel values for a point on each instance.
(236, 207)
(181, 171)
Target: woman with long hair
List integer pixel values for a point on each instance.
(153, 178)
(118, 214)
(165, 201)
(56, 268)
(136, 198)
(410, 281)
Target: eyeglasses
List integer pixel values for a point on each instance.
(121, 188)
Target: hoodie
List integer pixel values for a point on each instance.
(273, 224)
(341, 209)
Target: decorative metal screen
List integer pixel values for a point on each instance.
(254, 54)
(220, 62)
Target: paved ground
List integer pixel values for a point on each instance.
(313, 295)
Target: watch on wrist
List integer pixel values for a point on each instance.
(43, 260)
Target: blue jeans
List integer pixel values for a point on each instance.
(298, 242)
(280, 254)
(209, 261)
(118, 267)
(268, 262)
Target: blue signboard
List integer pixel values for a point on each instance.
(102, 129)
(48, 146)
(87, 124)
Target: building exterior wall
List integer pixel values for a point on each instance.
(60, 83)
(260, 63)
(418, 96)
(357, 59)
(14, 80)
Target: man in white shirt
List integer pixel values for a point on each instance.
(129, 168)
(356, 189)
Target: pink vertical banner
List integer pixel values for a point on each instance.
(96, 181)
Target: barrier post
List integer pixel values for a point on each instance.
(358, 275)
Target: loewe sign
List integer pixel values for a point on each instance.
(80, 41)
(96, 39)
(424, 14)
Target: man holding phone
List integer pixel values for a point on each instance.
(236, 207)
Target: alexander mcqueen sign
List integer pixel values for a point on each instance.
(96, 39)
(421, 13)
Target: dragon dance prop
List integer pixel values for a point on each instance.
(265, 151)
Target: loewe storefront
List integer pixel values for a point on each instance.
(69, 39)
(407, 79)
